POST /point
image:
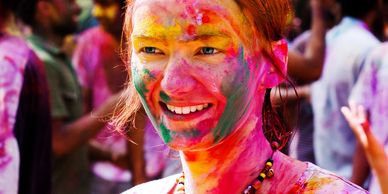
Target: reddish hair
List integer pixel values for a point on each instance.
(268, 19)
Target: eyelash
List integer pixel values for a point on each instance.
(154, 51)
(205, 50)
(202, 51)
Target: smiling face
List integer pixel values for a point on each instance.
(197, 78)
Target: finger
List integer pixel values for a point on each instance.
(355, 126)
(349, 115)
(361, 113)
(353, 109)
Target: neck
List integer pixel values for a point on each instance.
(229, 166)
(49, 35)
(233, 164)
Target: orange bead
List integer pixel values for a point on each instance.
(256, 184)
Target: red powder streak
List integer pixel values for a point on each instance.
(205, 19)
(191, 30)
(190, 157)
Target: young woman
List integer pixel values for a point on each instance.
(203, 70)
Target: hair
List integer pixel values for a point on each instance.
(268, 19)
(357, 8)
(8, 6)
(121, 3)
(26, 11)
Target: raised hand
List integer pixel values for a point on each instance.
(358, 120)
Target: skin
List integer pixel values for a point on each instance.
(189, 53)
(57, 18)
(374, 151)
(312, 60)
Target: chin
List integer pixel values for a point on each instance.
(200, 143)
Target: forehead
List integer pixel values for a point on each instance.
(187, 17)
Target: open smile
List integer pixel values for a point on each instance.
(185, 112)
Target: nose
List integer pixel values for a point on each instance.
(178, 80)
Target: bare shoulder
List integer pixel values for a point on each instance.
(161, 186)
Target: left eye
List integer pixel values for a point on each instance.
(208, 51)
(151, 50)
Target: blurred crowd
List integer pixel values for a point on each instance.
(63, 70)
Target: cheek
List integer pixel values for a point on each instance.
(238, 88)
(139, 81)
(144, 80)
(237, 75)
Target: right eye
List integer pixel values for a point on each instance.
(151, 50)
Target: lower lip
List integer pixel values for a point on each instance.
(184, 117)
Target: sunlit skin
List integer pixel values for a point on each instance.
(197, 53)
(189, 62)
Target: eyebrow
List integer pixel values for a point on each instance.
(203, 37)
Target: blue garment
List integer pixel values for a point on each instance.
(347, 47)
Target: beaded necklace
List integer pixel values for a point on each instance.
(255, 185)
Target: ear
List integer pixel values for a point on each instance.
(278, 66)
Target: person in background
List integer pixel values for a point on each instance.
(306, 54)
(371, 92)
(50, 22)
(347, 45)
(102, 74)
(86, 19)
(25, 128)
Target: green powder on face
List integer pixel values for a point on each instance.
(164, 97)
(236, 91)
(165, 133)
(138, 82)
(149, 74)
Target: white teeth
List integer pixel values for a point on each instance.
(199, 107)
(193, 108)
(186, 109)
(178, 110)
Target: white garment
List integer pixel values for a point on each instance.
(347, 46)
(371, 91)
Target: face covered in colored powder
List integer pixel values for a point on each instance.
(197, 78)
